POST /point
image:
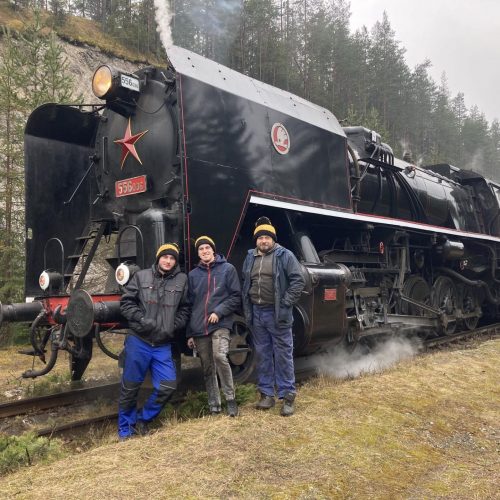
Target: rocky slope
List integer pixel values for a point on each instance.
(83, 61)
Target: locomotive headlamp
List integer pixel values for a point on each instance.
(124, 272)
(109, 83)
(102, 81)
(49, 279)
(44, 280)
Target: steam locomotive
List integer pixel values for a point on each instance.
(387, 247)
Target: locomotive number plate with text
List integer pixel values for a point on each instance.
(330, 294)
(134, 185)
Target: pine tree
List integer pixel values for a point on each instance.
(32, 72)
(12, 114)
(388, 75)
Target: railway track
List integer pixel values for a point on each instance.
(191, 381)
(35, 407)
(66, 398)
(492, 330)
(78, 425)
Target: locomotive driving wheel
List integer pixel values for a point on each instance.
(470, 306)
(444, 297)
(416, 288)
(241, 353)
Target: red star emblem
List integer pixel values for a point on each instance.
(127, 143)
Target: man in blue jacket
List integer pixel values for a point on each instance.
(155, 305)
(214, 293)
(272, 284)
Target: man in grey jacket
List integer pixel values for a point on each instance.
(272, 284)
(155, 305)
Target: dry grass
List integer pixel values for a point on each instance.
(426, 429)
(82, 31)
(76, 30)
(12, 364)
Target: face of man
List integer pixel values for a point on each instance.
(206, 253)
(166, 263)
(265, 243)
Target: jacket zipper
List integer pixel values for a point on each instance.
(259, 279)
(206, 302)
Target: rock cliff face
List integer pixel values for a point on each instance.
(83, 61)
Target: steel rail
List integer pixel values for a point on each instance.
(56, 430)
(65, 398)
(446, 339)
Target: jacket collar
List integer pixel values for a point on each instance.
(219, 259)
(174, 271)
(276, 247)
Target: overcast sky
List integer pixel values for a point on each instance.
(460, 37)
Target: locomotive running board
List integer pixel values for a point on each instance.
(360, 217)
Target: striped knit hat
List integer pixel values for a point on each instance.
(264, 227)
(204, 240)
(168, 249)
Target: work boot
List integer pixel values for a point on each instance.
(232, 408)
(265, 403)
(141, 428)
(214, 410)
(288, 408)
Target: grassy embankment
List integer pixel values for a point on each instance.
(75, 30)
(427, 428)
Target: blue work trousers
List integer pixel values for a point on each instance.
(274, 353)
(139, 358)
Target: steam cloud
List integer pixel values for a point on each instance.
(218, 21)
(342, 364)
(163, 18)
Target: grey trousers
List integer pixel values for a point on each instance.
(213, 350)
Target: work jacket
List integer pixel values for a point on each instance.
(288, 285)
(155, 304)
(213, 289)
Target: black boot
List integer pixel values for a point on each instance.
(141, 428)
(232, 408)
(288, 407)
(265, 403)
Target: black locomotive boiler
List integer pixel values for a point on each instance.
(387, 247)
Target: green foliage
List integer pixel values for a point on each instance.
(49, 384)
(14, 333)
(28, 449)
(195, 404)
(245, 393)
(305, 47)
(33, 71)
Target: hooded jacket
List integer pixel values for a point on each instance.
(213, 289)
(288, 285)
(155, 304)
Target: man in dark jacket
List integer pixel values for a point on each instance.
(215, 294)
(272, 284)
(155, 305)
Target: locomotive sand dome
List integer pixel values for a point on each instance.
(196, 148)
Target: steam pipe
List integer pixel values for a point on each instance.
(46, 369)
(356, 194)
(472, 283)
(38, 349)
(100, 343)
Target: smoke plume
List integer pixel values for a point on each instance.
(342, 364)
(163, 18)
